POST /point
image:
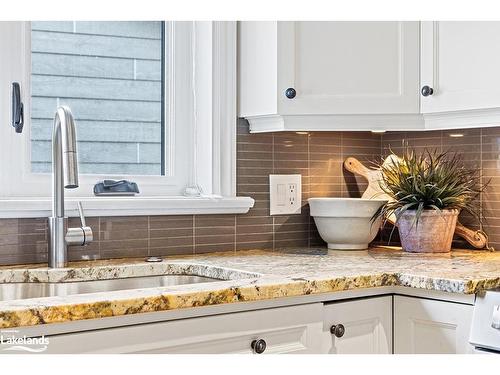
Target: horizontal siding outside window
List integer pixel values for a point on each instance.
(110, 75)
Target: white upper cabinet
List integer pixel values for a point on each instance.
(460, 61)
(369, 75)
(347, 67)
(332, 69)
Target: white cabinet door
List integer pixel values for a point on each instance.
(460, 60)
(423, 326)
(296, 329)
(367, 324)
(348, 67)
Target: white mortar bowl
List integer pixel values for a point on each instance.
(345, 223)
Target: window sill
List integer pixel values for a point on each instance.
(127, 206)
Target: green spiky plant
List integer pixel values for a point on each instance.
(430, 180)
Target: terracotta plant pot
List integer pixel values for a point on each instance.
(433, 234)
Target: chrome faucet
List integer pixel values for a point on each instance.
(65, 175)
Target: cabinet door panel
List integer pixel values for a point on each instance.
(460, 61)
(368, 326)
(348, 67)
(424, 326)
(296, 329)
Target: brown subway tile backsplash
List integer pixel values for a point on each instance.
(23, 240)
(171, 235)
(318, 156)
(214, 233)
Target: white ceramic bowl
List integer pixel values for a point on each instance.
(345, 223)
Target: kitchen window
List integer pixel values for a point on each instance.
(111, 75)
(154, 102)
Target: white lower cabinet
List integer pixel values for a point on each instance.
(358, 326)
(295, 329)
(365, 326)
(423, 326)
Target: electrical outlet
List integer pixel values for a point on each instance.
(285, 194)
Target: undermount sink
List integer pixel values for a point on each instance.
(16, 291)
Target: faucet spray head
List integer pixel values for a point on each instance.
(68, 140)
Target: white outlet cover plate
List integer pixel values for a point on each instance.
(285, 194)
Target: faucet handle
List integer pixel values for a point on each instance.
(82, 216)
(80, 236)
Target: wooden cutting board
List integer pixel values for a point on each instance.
(476, 238)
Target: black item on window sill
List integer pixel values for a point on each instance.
(113, 187)
(17, 108)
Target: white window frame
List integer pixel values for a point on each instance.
(201, 132)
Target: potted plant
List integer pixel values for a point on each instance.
(427, 192)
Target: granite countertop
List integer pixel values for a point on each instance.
(248, 276)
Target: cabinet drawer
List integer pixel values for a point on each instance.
(295, 329)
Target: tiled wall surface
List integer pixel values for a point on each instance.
(318, 156)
